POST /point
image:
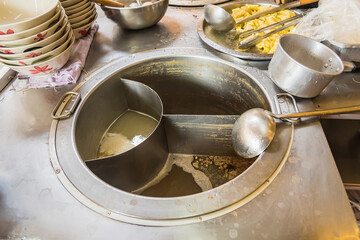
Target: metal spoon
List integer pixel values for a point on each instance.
(254, 130)
(139, 2)
(220, 20)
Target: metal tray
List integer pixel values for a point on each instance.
(222, 41)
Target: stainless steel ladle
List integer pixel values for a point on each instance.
(218, 18)
(254, 130)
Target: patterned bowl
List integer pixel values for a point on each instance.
(85, 21)
(77, 17)
(20, 15)
(37, 37)
(83, 30)
(73, 12)
(40, 53)
(41, 58)
(76, 7)
(49, 66)
(69, 3)
(23, 34)
(35, 47)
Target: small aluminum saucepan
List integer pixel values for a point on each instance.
(303, 67)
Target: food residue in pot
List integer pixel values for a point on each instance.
(128, 131)
(185, 174)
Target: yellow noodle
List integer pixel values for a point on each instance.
(269, 44)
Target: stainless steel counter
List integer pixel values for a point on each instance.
(307, 199)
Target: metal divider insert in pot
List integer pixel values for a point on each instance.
(133, 149)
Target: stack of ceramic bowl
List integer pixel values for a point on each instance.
(35, 36)
(82, 14)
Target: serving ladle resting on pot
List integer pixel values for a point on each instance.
(220, 20)
(254, 130)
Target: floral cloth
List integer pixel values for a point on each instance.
(71, 71)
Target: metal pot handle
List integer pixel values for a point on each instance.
(69, 97)
(291, 105)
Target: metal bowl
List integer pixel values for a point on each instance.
(139, 17)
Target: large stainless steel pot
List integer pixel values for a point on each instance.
(202, 98)
(302, 66)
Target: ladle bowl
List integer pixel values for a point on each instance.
(254, 130)
(218, 18)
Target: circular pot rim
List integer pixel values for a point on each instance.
(136, 209)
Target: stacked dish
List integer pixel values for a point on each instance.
(81, 14)
(35, 36)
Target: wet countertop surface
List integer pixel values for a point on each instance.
(306, 200)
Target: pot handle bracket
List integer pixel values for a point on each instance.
(66, 105)
(285, 103)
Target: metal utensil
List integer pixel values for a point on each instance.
(252, 41)
(139, 2)
(250, 32)
(221, 20)
(254, 130)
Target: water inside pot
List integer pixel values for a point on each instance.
(128, 131)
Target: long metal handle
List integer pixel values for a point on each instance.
(276, 9)
(252, 41)
(318, 112)
(248, 33)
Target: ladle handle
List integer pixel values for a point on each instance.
(318, 112)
